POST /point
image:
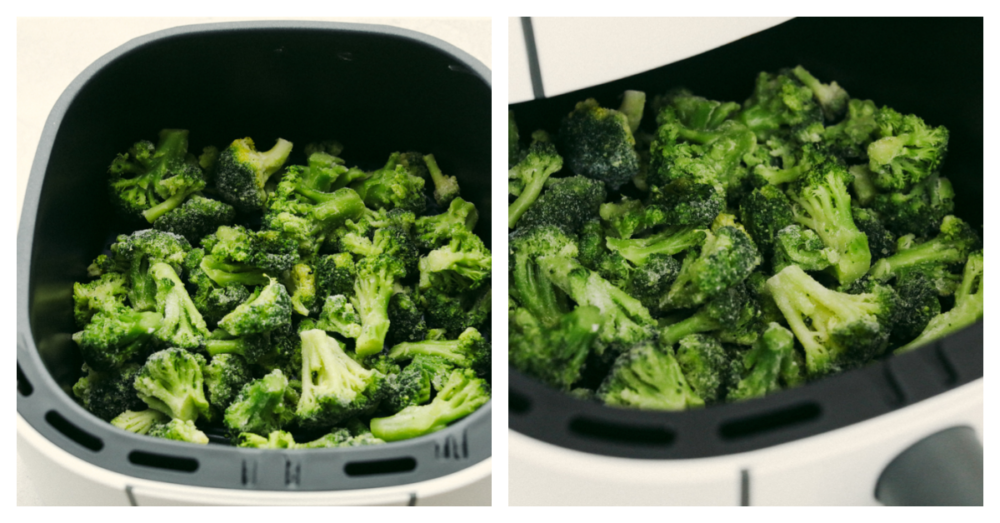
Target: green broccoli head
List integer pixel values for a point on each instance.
(172, 383)
(339, 316)
(241, 172)
(393, 187)
(695, 112)
(460, 396)
(651, 280)
(134, 254)
(918, 305)
(116, 335)
(269, 307)
(567, 203)
(557, 355)
(823, 204)
(764, 212)
(907, 151)
(532, 288)
(881, 242)
(797, 245)
(650, 378)
(139, 422)
(967, 310)
(435, 230)
(470, 350)
(919, 210)
(406, 319)
(850, 138)
(261, 407)
(529, 176)
(831, 97)
(726, 258)
(334, 386)
(102, 294)
(373, 287)
(149, 181)
(412, 385)
(224, 377)
(704, 363)
(453, 314)
(196, 218)
(598, 144)
(732, 314)
(837, 330)
(335, 274)
(953, 244)
(108, 393)
(179, 430)
(772, 364)
(463, 264)
(779, 102)
(683, 202)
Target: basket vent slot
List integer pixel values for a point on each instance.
(384, 466)
(162, 461)
(623, 433)
(71, 431)
(23, 385)
(518, 403)
(770, 421)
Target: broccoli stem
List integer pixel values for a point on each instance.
(445, 187)
(932, 251)
(633, 104)
(528, 196)
(342, 204)
(167, 205)
(273, 159)
(670, 242)
(216, 347)
(699, 322)
(447, 349)
(228, 273)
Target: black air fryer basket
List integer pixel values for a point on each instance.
(378, 89)
(929, 67)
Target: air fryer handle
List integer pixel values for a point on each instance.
(943, 469)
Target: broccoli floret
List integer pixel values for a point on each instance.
(532, 288)
(224, 377)
(837, 330)
(286, 351)
(823, 204)
(460, 396)
(557, 355)
(797, 245)
(648, 377)
(433, 231)
(704, 362)
(729, 312)
(116, 335)
(171, 382)
(179, 430)
(726, 258)
(779, 102)
(530, 175)
(918, 304)
(795, 165)
(262, 406)
(339, 316)
(212, 300)
(267, 308)
(149, 180)
(831, 97)
(695, 112)
(651, 280)
(850, 138)
(764, 212)
(139, 422)
(881, 242)
(103, 294)
(918, 211)
(334, 386)
(340, 438)
(412, 385)
(967, 310)
(108, 393)
(711, 157)
(197, 217)
(907, 151)
(453, 314)
(469, 351)
(598, 144)
(463, 264)
(373, 289)
(335, 274)
(277, 439)
(669, 242)
(241, 172)
(445, 187)
(769, 366)
(392, 187)
(406, 319)
(683, 202)
(952, 245)
(134, 254)
(567, 203)
(627, 322)
(183, 326)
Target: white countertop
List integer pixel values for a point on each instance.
(51, 52)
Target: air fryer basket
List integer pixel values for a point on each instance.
(930, 67)
(378, 89)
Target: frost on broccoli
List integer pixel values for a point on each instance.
(650, 378)
(150, 180)
(334, 386)
(241, 172)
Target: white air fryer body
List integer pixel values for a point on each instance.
(68, 480)
(840, 467)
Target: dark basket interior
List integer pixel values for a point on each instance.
(376, 89)
(929, 67)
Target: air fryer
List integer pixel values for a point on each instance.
(377, 89)
(904, 430)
